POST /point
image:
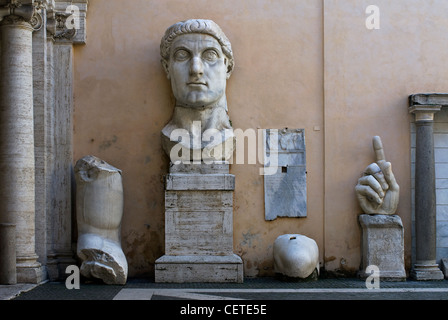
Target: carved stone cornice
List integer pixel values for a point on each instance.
(438, 99)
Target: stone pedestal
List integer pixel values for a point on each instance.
(383, 246)
(199, 226)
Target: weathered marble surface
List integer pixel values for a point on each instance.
(199, 268)
(198, 60)
(383, 246)
(17, 157)
(99, 208)
(199, 226)
(285, 190)
(378, 191)
(295, 256)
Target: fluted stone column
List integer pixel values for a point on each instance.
(17, 163)
(425, 267)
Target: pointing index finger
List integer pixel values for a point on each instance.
(378, 148)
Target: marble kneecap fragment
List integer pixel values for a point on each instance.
(99, 208)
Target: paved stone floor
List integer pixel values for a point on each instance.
(251, 289)
(259, 298)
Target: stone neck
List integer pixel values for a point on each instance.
(210, 117)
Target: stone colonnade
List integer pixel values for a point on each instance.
(36, 101)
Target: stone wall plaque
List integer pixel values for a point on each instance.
(285, 188)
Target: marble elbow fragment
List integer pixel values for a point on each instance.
(99, 209)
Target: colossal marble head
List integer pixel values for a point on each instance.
(198, 60)
(196, 26)
(196, 52)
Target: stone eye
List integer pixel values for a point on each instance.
(210, 55)
(181, 55)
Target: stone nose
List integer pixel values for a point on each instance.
(196, 67)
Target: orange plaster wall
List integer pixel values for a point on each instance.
(369, 75)
(300, 64)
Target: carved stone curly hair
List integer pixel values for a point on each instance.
(196, 26)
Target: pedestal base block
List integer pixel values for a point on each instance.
(426, 272)
(218, 269)
(32, 273)
(383, 246)
(199, 226)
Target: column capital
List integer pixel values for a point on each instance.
(424, 112)
(17, 11)
(25, 12)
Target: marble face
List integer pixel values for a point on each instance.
(198, 61)
(198, 70)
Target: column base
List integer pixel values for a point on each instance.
(426, 272)
(217, 269)
(33, 273)
(57, 263)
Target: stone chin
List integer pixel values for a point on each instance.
(200, 99)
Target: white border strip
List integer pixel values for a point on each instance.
(320, 290)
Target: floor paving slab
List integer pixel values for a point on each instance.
(341, 296)
(251, 289)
